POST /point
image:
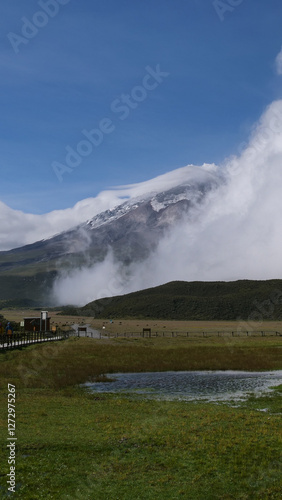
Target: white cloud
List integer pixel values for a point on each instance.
(278, 63)
(77, 286)
(18, 228)
(237, 233)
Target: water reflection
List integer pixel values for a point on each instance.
(199, 385)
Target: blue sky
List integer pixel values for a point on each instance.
(220, 76)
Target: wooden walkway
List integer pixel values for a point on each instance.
(17, 340)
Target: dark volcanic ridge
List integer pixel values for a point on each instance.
(254, 301)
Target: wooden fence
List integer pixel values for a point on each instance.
(193, 334)
(18, 340)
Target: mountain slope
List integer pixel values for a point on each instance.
(180, 300)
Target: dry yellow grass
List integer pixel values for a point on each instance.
(136, 326)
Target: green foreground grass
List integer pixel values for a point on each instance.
(76, 445)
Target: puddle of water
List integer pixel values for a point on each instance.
(191, 386)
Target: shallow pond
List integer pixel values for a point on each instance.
(190, 386)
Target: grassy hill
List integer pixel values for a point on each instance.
(25, 290)
(180, 300)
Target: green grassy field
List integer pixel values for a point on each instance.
(76, 445)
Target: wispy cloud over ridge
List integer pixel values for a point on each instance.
(18, 228)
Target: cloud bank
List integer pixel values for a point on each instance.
(18, 228)
(237, 233)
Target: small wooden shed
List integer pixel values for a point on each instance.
(37, 324)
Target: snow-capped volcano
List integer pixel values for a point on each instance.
(134, 228)
(130, 231)
(189, 193)
(194, 223)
